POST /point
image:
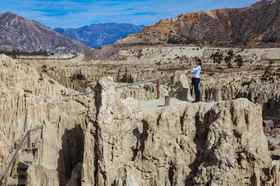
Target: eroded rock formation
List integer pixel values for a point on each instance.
(28, 100)
(99, 138)
(184, 144)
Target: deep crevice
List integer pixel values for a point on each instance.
(172, 173)
(141, 138)
(98, 151)
(202, 129)
(71, 155)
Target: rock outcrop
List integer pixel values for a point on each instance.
(183, 144)
(101, 139)
(30, 100)
(264, 93)
(253, 26)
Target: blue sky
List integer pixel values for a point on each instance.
(75, 13)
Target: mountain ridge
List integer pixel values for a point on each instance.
(97, 35)
(255, 26)
(20, 35)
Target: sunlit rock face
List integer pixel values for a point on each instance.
(183, 144)
(30, 100)
(100, 138)
(250, 26)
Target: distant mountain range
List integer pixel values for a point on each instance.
(254, 26)
(20, 35)
(97, 35)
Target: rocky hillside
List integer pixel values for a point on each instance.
(25, 36)
(254, 26)
(97, 35)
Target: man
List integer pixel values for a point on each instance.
(196, 79)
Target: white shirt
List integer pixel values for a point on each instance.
(196, 71)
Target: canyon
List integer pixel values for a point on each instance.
(123, 114)
(103, 122)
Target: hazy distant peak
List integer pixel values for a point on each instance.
(96, 35)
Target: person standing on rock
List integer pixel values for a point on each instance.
(196, 71)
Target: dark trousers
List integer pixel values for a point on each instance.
(196, 84)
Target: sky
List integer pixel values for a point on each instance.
(76, 13)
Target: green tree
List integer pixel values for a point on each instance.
(239, 61)
(217, 57)
(228, 58)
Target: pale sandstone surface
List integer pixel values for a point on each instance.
(183, 144)
(102, 139)
(28, 100)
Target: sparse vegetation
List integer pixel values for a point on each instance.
(139, 53)
(173, 40)
(228, 58)
(16, 53)
(267, 75)
(44, 68)
(229, 64)
(239, 61)
(217, 57)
